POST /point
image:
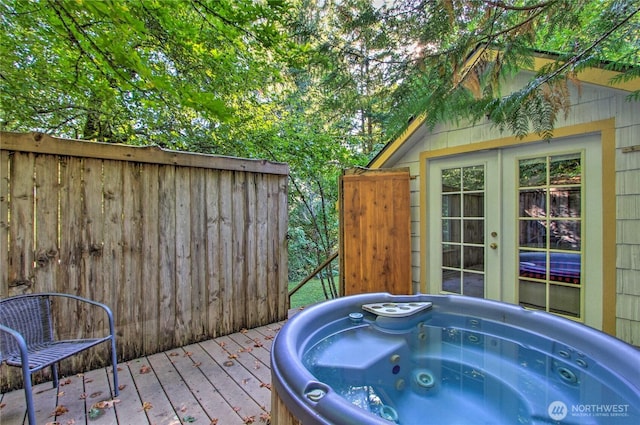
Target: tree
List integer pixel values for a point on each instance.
(137, 71)
(421, 51)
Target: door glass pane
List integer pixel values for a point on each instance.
(533, 264)
(533, 294)
(550, 233)
(451, 205)
(473, 285)
(565, 169)
(533, 172)
(474, 258)
(565, 202)
(565, 234)
(533, 234)
(451, 281)
(451, 256)
(474, 205)
(451, 180)
(450, 230)
(473, 178)
(463, 227)
(533, 203)
(564, 300)
(474, 231)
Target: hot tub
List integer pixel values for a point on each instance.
(419, 360)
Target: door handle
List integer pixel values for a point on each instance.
(493, 245)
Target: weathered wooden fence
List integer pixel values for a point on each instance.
(183, 247)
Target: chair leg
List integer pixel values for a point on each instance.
(114, 365)
(28, 394)
(54, 373)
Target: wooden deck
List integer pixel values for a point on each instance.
(222, 381)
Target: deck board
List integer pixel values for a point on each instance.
(225, 380)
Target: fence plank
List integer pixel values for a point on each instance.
(93, 226)
(262, 247)
(280, 222)
(113, 262)
(167, 265)
(46, 211)
(131, 288)
(251, 287)
(21, 225)
(213, 278)
(226, 253)
(239, 250)
(150, 277)
(4, 224)
(198, 255)
(183, 256)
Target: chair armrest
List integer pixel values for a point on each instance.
(22, 344)
(106, 308)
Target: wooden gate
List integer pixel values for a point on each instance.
(375, 231)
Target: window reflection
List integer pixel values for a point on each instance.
(550, 233)
(463, 230)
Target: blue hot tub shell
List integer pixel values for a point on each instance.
(313, 401)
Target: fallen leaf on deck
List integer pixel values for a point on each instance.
(249, 419)
(173, 354)
(189, 419)
(106, 404)
(222, 344)
(146, 406)
(265, 385)
(243, 330)
(59, 410)
(197, 364)
(83, 396)
(214, 421)
(122, 386)
(60, 393)
(2, 405)
(96, 394)
(145, 369)
(236, 409)
(265, 417)
(188, 354)
(233, 356)
(228, 363)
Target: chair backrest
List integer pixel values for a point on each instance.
(29, 315)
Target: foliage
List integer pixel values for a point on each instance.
(439, 81)
(164, 72)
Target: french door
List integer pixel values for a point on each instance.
(512, 224)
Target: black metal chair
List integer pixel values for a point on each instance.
(27, 339)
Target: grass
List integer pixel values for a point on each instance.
(310, 293)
